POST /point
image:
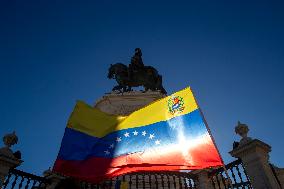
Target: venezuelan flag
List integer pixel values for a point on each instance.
(169, 134)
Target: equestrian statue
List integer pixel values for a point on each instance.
(135, 75)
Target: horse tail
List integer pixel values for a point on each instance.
(160, 86)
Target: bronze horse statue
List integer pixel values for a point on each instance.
(147, 77)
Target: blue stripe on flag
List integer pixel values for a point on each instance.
(79, 146)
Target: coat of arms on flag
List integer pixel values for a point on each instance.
(169, 134)
(175, 104)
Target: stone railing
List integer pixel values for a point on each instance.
(22, 180)
(236, 177)
(254, 155)
(252, 169)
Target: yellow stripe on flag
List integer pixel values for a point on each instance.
(93, 122)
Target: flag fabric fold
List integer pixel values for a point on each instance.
(169, 134)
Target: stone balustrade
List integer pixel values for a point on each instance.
(253, 153)
(255, 157)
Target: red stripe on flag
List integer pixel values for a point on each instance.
(96, 169)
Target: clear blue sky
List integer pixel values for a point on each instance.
(54, 52)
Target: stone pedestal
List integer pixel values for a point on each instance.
(203, 181)
(53, 179)
(280, 174)
(255, 155)
(7, 162)
(126, 103)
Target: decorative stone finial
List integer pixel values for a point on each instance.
(10, 139)
(47, 172)
(242, 130)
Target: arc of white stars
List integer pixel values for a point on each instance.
(126, 134)
(118, 139)
(144, 133)
(151, 136)
(111, 146)
(157, 142)
(107, 152)
(135, 133)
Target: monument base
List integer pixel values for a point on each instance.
(126, 103)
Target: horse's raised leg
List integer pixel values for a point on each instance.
(117, 88)
(114, 88)
(146, 88)
(128, 88)
(124, 89)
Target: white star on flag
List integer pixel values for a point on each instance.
(126, 134)
(135, 133)
(157, 142)
(144, 133)
(151, 136)
(118, 139)
(107, 152)
(111, 146)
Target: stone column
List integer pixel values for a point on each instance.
(280, 174)
(7, 158)
(255, 157)
(53, 178)
(203, 181)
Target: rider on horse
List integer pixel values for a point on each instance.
(136, 64)
(135, 75)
